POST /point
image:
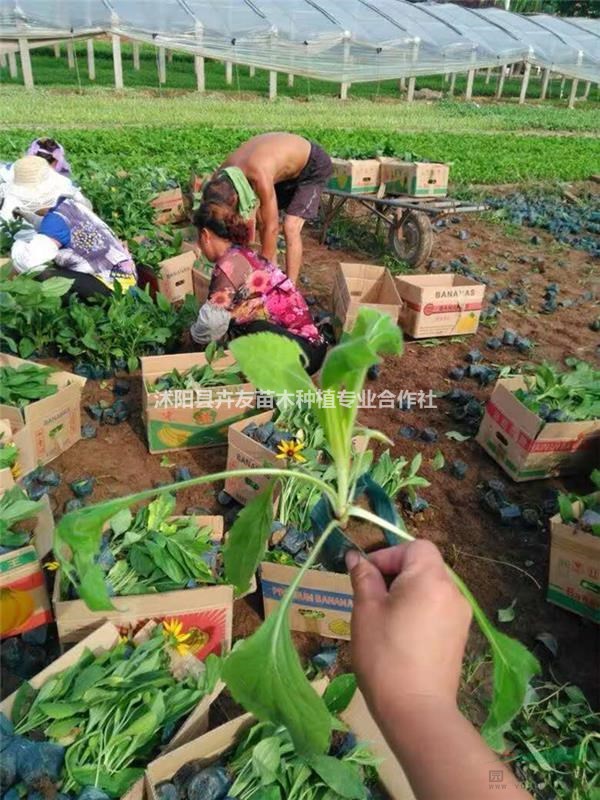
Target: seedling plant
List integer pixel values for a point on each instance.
(263, 672)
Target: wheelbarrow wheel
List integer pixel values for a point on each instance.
(411, 238)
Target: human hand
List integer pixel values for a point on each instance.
(408, 640)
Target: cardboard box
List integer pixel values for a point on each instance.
(322, 604)
(42, 532)
(13, 431)
(53, 423)
(439, 305)
(201, 276)
(207, 610)
(195, 724)
(184, 420)
(574, 577)
(526, 447)
(364, 285)
(414, 178)
(210, 747)
(24, 603)
(243, 453)
(175, 280)
(358, 176)
(170, 207)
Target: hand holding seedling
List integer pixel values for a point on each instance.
(408, 640)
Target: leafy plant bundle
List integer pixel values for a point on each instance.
(266, 766)
(589, 518)
(15, 507)
(9, 452)
(24, 384)
(98, 722)
(263, 672)
(554, 745)
(8, 230)
(150, 552)
(398, 474)
(155, 247)
(201, 376)
(292, 422)
(563, 396)
(107, 332)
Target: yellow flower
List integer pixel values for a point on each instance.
(176, 638)
(16, 471)
(291, 449)
(52, 566)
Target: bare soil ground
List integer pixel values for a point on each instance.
(500, 564)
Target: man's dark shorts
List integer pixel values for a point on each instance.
(301, 196)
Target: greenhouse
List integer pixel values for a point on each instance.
(343, 42)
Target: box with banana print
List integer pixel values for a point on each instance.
(198, 416)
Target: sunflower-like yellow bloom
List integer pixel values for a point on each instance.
(176, 637)
(291, 450)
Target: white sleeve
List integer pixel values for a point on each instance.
(34, 253)
(79, 197)
(211, 325)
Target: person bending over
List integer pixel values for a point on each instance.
(409, 630)
(287, 173)
(247, 293)
(80, 245)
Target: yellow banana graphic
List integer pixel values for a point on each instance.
(171, 437)
(15, 608)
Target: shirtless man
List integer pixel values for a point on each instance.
(288, 173)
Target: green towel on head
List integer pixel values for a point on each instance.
(248, 200)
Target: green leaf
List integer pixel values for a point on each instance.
(61, 710)
(456, 436)
(507, 614)
(24, 698)
(121, 522)
(26, 347)
(132, 363)
(266, 759)
(339, 692)
(595, 478)
(514, 667)
(342, 777)
(93, 591)
(247, 540)
(56, 287)
(565, 507)
(264, 675)
(279, 368)
(438, 461)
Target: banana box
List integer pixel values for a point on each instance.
(185, 419)
(439, 305)
(24, 602)
(322, 603)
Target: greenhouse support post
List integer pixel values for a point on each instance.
(252, 72)
(116, 51)
(272, 73)
(199, 60)
(70, 55)
(575, 82)
(229, 72)
(471, 75)
(91, 64)
(545, 82)
(170, 56)
(501, 77)
(26, 63)
(345, 85)
(136, 55)
(525, 83)
(57, 50)
(413, 79)
(13, 70)
(488, 75)
(452, 83)
(586, 90)
(162, 65)
(290, 79)
(2, 59)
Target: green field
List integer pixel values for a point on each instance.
(487, 142)
(50, 71)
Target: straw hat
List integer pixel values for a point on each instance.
(35, 185)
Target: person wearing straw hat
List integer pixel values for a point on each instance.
(52, 152)
(65, 232)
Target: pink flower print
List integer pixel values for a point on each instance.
(258, 281)
(220, 298)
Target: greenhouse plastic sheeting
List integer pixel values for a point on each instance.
(337, 40)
